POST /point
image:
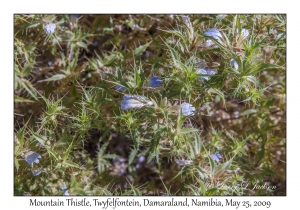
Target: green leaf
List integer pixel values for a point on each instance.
(51, 152)
(54, 78)
(29, 88)
(222, 168)
(248, 111)
(19, 99)
(212, 166)
(106, 192)
(132, 156)
(262, 66)
(177, 33)
(218, 92)
(41, 139)
(109, 59)
(261, 153)
(26, 70)
(17, 165)
(188, 130)
(66, 155)
(198, 144)
(72, 164)
(182, 171)
(138, 51)
(201, 172)
(82, 44)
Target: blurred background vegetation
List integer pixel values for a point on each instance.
(72, 71)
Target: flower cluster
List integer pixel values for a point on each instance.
(187, 109)
(32, 157)
(134, 101)
(66, 193)
(207, 72)
(216, 157)
(50, 28)
(155, 81)
(213, 33)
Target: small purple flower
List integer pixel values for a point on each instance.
(120, 88)
(214, 33)
(219, 156)
(134, 101)
(32, 157)
(66, 193)
(50, 28)
(216, 157)
(142, 159)
(208, 72)
(245, 33)
(155, 81)
(187, 109)
(234, 64)
(64, 188)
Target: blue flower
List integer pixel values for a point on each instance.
(245, 33)
(155, 81)
(32, 157)
(208, 72)
(234, 64)
(187, 109)
(216, 157)
(64, 188)
(120, 88)
(50, 28)
(214, 33)
(142, 159)
(134, 101)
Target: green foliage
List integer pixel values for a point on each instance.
(71, 84)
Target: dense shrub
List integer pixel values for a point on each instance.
(150, 104)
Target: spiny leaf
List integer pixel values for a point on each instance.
(248, 111)
(54, 78)
(138, 51)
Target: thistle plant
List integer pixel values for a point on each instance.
(149, 104)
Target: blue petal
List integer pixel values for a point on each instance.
(155, 81)
(32, 157)
(187, 109)
(214, 33)
(64, 188)
(214, 157)
(219, 156)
